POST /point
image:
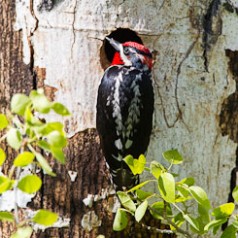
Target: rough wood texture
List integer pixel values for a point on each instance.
(61, 194)
(66, 197)
(92, 181)
(58, 194)
(195, 82)
(15, 76)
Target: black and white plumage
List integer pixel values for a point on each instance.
(125, 106)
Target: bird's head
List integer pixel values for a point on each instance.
(131, 53)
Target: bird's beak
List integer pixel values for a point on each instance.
(115, 44)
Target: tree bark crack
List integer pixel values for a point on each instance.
(32, 52)
(73, 27)
(180, 115)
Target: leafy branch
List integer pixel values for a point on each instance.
(27, 134)
(174, 203)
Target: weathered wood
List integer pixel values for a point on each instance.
(84, 157)
(15, 76)
(195, 78)
(66, 196)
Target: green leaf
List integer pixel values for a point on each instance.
(3, 121)
(214, 224)
(183, 191)
(120, 221)
(182, 199)
(188, 181)
(30, 133)
(2, 157)
(28, 115)
(31, 119)
(139, 186)
(156, 168)
(50, 127)
(130, 162)
(204, 214)
(44, 164)
(140, 211)
(23, 232)
(224, 210)
(60, 109)
(24, 159)
(40, 101)
(140, 164)
(142, 195)
(45, 217)
(229, 232)
(173, 156)
(178, 220)
(6, 216)
(159, 208)
(56, 139)
(30, 184)
(167, 187)
(19, 103)
(200, 196)
(137, 166)
(58, 154)
(126, 201)
(192, 221)
(44, 145)
(14, 138)
(5, 184)
(235, 223)
(235, 193)
(217, 228)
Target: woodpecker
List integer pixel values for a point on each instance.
(125, 105)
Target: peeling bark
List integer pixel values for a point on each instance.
(15, 76)
(67, 197)
(194, 75)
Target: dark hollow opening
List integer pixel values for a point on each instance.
(122, 35)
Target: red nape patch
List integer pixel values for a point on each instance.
(138, 46)
(117, 59)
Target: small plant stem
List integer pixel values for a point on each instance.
(31, 148)
(3, 137)
(151, 196)
(181, 231)
(15, 195)
(23, 223)
(157, 230)
(170, 166)
(178, 208)
(17, 122)
(178, 229)
(18, 172)
(174, 225)
(11, 172)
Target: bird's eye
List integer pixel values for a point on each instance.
(126, 51)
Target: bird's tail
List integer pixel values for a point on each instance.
(124, 179)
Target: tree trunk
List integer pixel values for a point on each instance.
(15, 76)
(59, 45)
